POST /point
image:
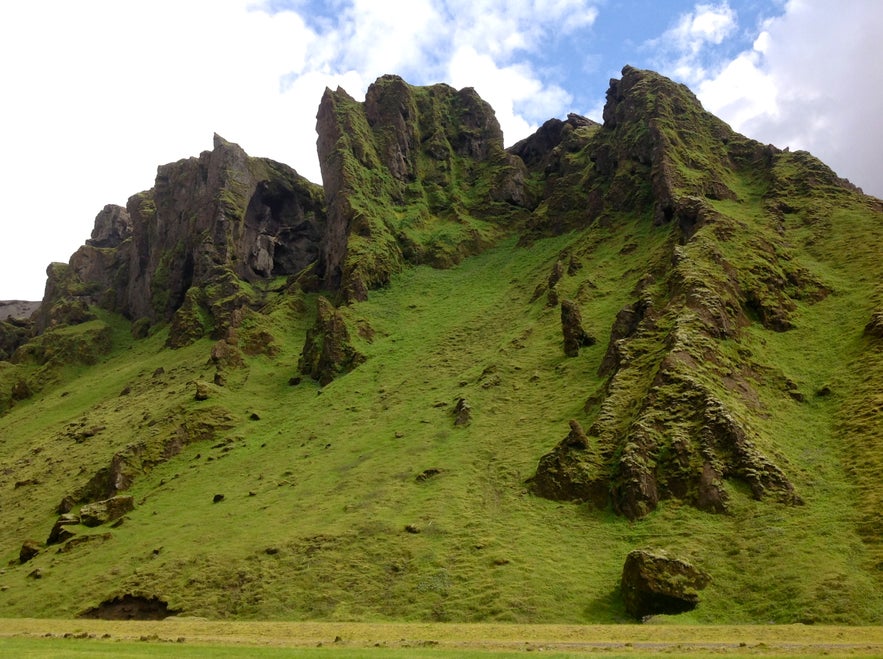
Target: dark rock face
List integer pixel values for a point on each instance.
(462, 412)
(222, 217)
(875, 325)
(29, 549)
(575, 337)
(654, 583)
(112, 226)
(327, 351)
(538, 150)
(60, 532)
(102, 512)
(210, 225)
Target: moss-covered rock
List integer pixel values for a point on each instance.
(655, 583)
(327, 351)
(412, 175)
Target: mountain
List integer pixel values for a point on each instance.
(457, 381)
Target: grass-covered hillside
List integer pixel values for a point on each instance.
(721, 402)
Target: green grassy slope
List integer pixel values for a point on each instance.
(319, 485)
(268, 496)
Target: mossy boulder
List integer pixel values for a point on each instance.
(327, 351)
(29, 549)
(575, 336)
(102, 512)
(655, 583)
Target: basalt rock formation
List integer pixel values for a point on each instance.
(717, 301)
(189, 249)
(412, 175)
(665, 428)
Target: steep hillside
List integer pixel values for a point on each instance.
(458, 382)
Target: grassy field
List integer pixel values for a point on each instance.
(193, 638)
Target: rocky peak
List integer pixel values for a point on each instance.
(400, 162)
(112, 226)
(208, 224)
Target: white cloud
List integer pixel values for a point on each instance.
(98, 93)
(681, 48)
(812, 81)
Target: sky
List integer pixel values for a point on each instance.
(95, 94)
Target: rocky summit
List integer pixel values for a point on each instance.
(458, 381)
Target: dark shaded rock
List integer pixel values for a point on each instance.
(35, 574)
(575, 336)
(112, 226)
(203, 391)
(130, 607)
(624, 325)
(101, 512)
(13, 331)
(654, 583)
(535, 150)
(217, 498)
(462, 412)
(875, 325)
(571, 471)
(411, 528)
(21, 390)
(60, 532)
(327, 351)
(29, 549)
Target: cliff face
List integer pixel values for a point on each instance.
(210, 227)
(412, 175)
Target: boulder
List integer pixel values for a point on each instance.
(29, 549)
(101, 512)
(203, 391)
(655, 583)
(60, 532)
(575, 336)
(462, 412)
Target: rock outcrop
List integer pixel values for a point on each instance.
(328, 351)
(412, 175)
(674, 435)
(188, 249)
(575, 336)
(107, 510)
(654, 583)
(572, 471)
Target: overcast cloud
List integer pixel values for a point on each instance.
(97, 93)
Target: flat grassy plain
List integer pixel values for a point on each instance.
(194, 638)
